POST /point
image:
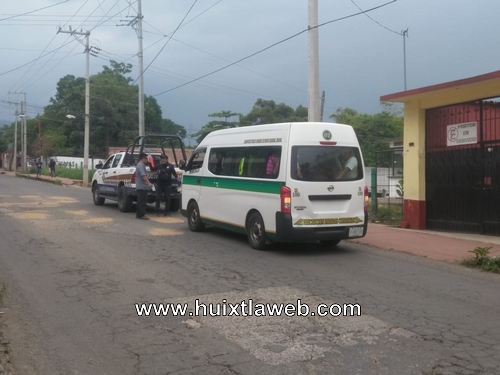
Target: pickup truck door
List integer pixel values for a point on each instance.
(108, 187)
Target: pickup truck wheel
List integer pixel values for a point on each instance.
(98, 201)
(256, 232)
(175, 205)
(124, 201)
(194, 220)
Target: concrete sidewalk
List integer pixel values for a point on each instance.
(451, 247)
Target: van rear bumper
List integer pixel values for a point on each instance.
(285, 232)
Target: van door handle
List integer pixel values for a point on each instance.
(198, 181)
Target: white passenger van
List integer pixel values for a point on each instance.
(280, 182)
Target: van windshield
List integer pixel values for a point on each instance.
(326, 163)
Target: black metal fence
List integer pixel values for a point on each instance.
(463, 179)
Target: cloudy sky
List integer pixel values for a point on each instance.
(361, 55)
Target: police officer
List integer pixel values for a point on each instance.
(165, 173)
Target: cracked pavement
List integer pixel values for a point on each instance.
(74, 272)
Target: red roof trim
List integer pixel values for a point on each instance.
(441, 86)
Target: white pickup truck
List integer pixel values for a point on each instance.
(115, 179)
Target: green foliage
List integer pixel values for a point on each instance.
(217, 124)
(373, 131)
(64, 172)
(483, 260)
(113, 116)
(268, 112)
(400, 188)
(387, 213)
(481, 252)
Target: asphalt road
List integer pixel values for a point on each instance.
(75, 271)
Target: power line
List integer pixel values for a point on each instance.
(273, 45)
(168, 40)
(378, 23)
(33, 11)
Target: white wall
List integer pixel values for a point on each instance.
(74, 162)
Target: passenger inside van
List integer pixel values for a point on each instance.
(273, 164)
(349, 165)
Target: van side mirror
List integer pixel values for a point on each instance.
(98, 166)
(182, 164)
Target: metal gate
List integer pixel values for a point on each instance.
(462, 171)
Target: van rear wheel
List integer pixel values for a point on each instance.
(194, 220)
(256, 232)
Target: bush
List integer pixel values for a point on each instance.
(483, 260)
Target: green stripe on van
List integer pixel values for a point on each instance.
(259, 186)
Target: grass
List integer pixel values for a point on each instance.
(483, 260)
(73, 173)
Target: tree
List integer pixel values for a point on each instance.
(216, 124)
(113, 113)
(268, 112)
(373, 131)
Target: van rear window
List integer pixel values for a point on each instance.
(326, 163)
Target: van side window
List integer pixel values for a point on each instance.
(196, 160)
(273, 163)
(245, 161)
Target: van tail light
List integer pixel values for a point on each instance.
(286, 199)
(367, 198)
(133, 179)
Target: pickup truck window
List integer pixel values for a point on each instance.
(107, 165)
(118, 157)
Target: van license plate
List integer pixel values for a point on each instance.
(356, 232)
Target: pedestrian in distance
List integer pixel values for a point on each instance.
(39, 165)
(164, 184)
(52, 166)
(143, 185)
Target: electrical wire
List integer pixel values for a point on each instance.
(168, 40)
(273, 45)
(378, 23)
(33, 11)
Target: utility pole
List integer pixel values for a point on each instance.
(39, 138)
(85, 181)
(313, 111)
(24, 107)
(405, 35)
(137, 21)
(322, 110)
(15, 141)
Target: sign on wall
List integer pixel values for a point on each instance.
(461, 134)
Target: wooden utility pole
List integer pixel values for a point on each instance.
(313, 111)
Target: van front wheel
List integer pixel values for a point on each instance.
(256, 232)
(194, 220)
